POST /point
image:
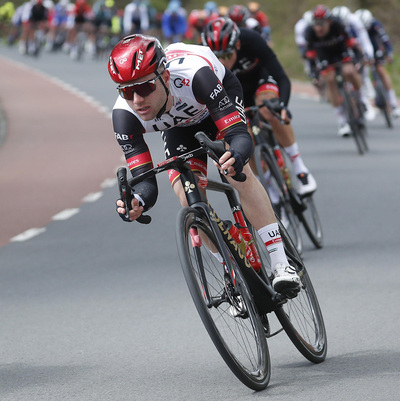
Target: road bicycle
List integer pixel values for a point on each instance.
(269, 155)
(381, 96)
(353, 109)
(228, 273)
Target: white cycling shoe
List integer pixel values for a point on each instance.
(286, 278)
(396, 112)
(344, 130)
(305, 184)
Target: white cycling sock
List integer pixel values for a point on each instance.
(273, 241)
(295, 157)
(340, 115)
(392, 98)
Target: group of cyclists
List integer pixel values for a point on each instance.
(357, 40)
(185, 88)
(178, 89)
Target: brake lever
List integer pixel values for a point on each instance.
(125, 193)
(203, 139)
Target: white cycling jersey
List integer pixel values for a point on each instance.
(356, 27)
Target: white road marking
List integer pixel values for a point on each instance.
(65, 214)
(93, 197)
(28, 234)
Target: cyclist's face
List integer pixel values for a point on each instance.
(321, 28)
(148, 106)
(229, 59)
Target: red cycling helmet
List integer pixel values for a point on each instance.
(238, 14)
(134, 57)
(220, 35)
(321, 12)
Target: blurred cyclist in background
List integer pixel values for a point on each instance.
(136, 17)
(383, 52)
(363, 50)
(198, 19)
(329, 43)
(173, 22)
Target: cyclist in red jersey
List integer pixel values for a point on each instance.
(180, 91)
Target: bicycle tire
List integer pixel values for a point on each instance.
(311, 222)
(300, 317)
(382, 102)
(348, 107)
(262, 156)
(240, 340)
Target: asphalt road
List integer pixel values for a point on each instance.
(95, 309)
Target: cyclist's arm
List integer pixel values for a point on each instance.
(267, 58)
(224, 101)
(383, 36)
(129, 134)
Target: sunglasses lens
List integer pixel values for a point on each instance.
(142, 90)
(226, 56)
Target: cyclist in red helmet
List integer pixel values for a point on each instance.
(180, 91)
(247, 55)
(329, 42)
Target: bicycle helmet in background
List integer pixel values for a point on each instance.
(134, 57)
(220, 35)
(238, 14)
(321, 13)
(308, 17)
(365, 16)
(341, 12)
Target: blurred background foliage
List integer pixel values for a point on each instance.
(283, 14)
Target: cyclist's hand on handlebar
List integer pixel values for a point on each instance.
(135, 212)
(231, 163)
(285, 116)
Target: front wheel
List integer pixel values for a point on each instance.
(222, 298)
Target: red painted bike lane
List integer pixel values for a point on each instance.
(58, 148)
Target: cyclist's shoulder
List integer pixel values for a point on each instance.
(187, 60)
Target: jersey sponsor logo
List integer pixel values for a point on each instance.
(127, 148)
(240, 107)
(216, 91)
(179, 82)
(192, 116)
(224, 103)
(138, 160)
(123, 137)
(245, 65)
(228, 121)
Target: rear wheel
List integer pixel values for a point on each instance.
(381, 100)
(353, 118)
(222, 299)
(312, 224)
